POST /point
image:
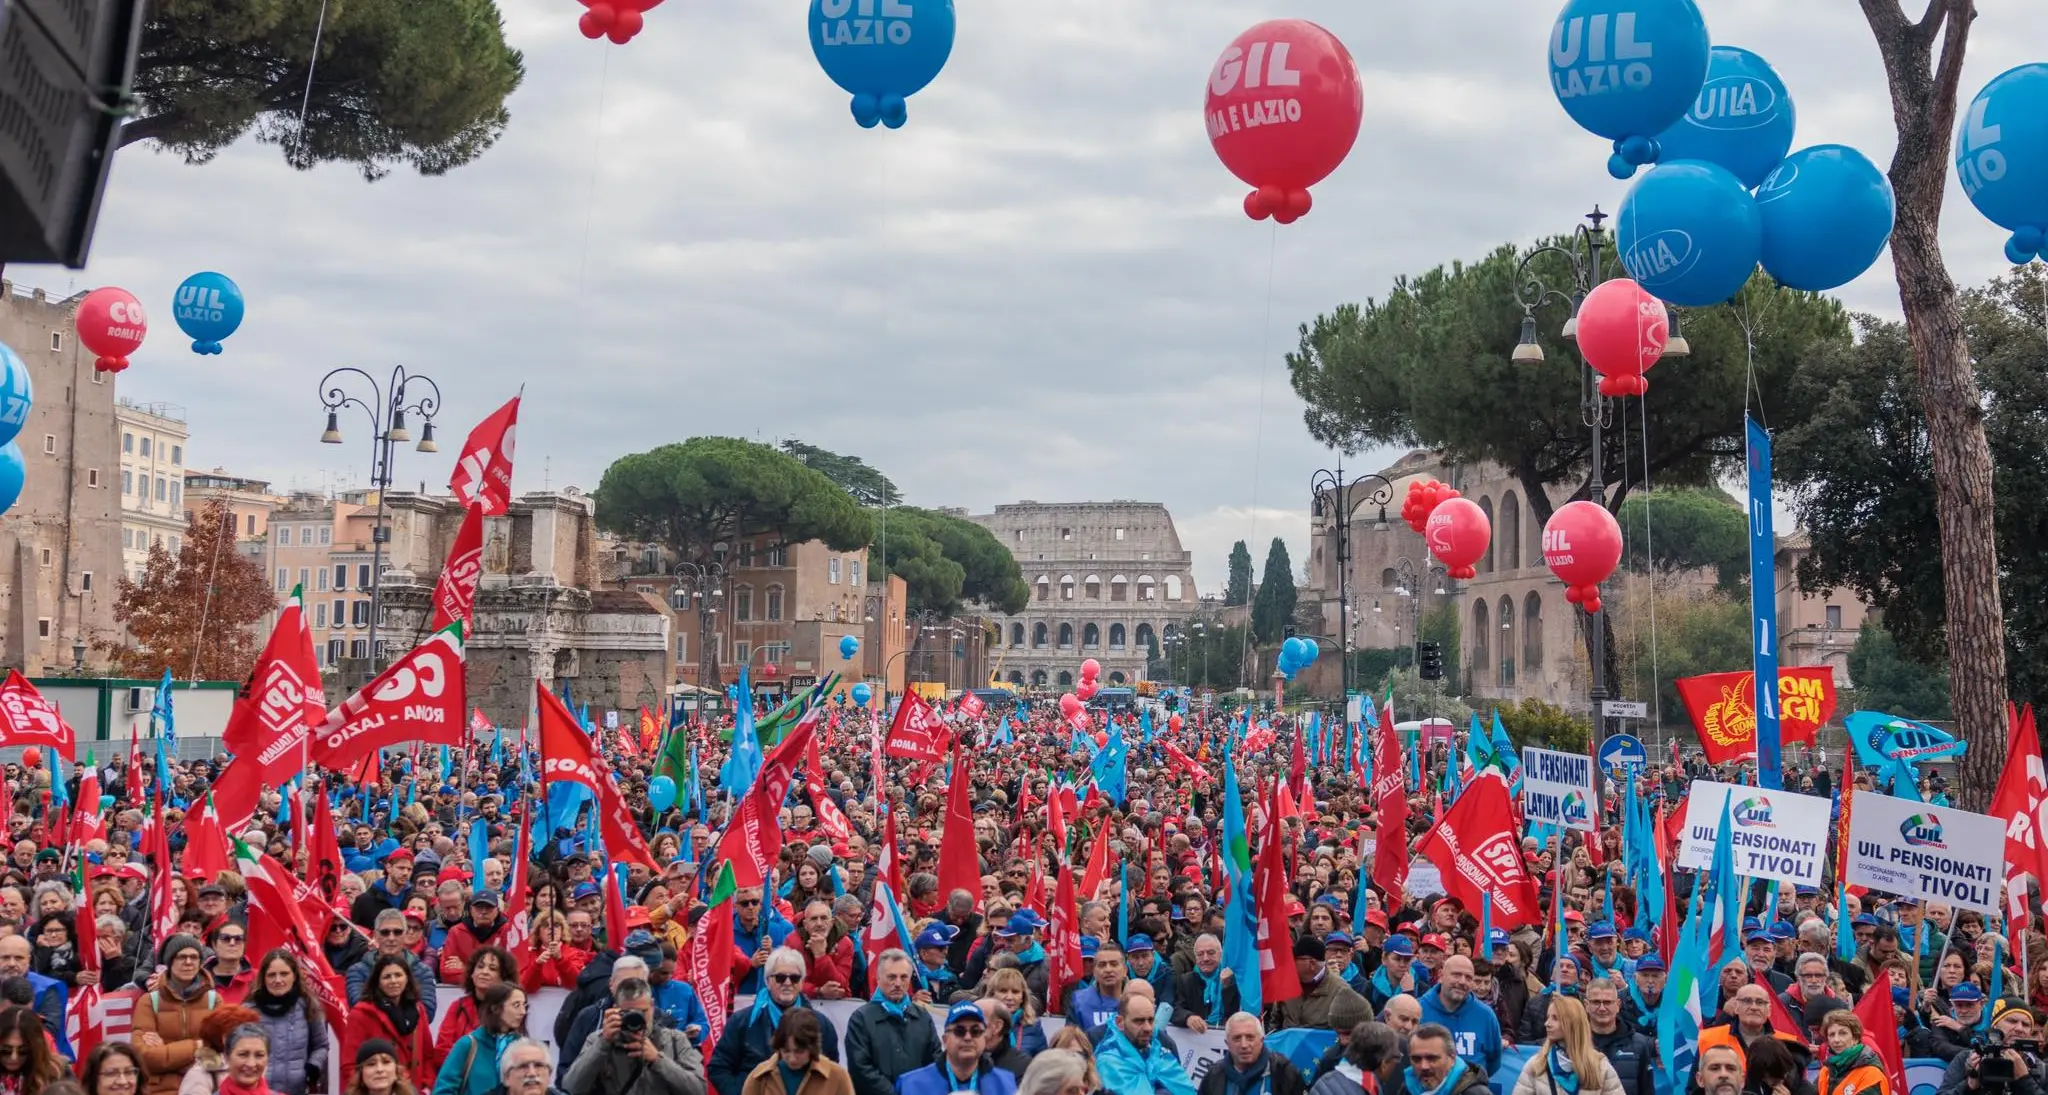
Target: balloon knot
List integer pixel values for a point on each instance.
(1620, 168)
(895, 111)
(866, 110)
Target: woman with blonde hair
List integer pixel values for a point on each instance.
(1075, 1040)
(1008, 985)
(1566, 1062)
(1058, 1072)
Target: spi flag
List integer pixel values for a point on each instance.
(2022, 799)
(483, 475)
(279, 705)
(418, 698)
(569, 756)
(455, 589)
(1476, 849)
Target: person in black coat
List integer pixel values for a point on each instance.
(749, 1034)
(1632, 1053)
(1248, 1067)
(890, 1035)
(1203, 997)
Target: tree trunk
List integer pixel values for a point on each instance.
(1923, 92)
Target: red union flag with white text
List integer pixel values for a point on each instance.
(483, 475)
(419, 698)
(706, 962)
(2022, 800)
(277, 708)
(1474, 846)
(917, 731)
(1390, 803)
(26, 718)
(567, 753)
(971, 705)
(455, 590)
(753, 838)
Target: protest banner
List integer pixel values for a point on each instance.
(1777, 834)
(1934, 853)
(1557, 788)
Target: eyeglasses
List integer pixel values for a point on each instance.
(226, 938)
(391, 933)
(528, 1066)
(18, 1049)
(964, 1031)
(748, 904)
(786, 978)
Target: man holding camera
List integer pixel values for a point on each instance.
(2004, 1061)
(631, 1054)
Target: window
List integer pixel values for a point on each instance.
(98, 377)
(743, 603)
(320, 580)
(1066, 635)
(177, 454)
(177, 490)
(176, 541)
(778, 556)
(1834, 617)
(127, 537)
(747, 554)
(145, 445)
(85, 581)
(1119, 534)
(304, 577)
(340, 576)
(43, 628)
(1038, 634)
(127, 481)
(320, 656)
(282, 577)
(92, 477)
(162, 489)
(334, 647)
(359, 648)
(49, 444)
(320, 614)
(359, 614)
(362, 575)
(127, 442)
(46, 556)
(1091, 635)
(252, 525)
(741, 652)
(326, 535)
(57, 343)
(832, 571)
(682, 648)
(1066, 534)
(853, 572)
(340, 615)
(774, 605)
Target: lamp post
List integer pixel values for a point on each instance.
(1582, 253)
(1409, 579)
(387, 407)
(1333, 484)
(707, 588)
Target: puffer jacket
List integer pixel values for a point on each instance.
(298, 1054)
(175, 1018)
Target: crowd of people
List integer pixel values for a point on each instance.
(1417, 993)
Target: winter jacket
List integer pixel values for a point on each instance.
(1189, 998)
(298, 1052)
(463, 940)
(471, 1065)
(1343, 1078)
(359, 976)
(364, 909)
(1276, 1075)
(557, 973)
(1865, 1074)
(415, 1051)
(929, 1080)
(835, 965)
(881, 1046)
(1464, 1080)
(824, 1078)
(1536, 1080)
(603, 1068)
(460, 1020)
(203, 1078)
(175, 1018)
(1633, 1056)
(745, 1043)
(1312, 1007)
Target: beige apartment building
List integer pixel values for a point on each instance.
(248, 500)
(322, 544)
(153, 439)
(60, 544)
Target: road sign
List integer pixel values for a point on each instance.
(1621, 752)
(1625, 709)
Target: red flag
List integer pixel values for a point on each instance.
(1098, 864)
(163, 901)
(418, 698)
(278, 706)
(614, 911)
(1781, 1016)
(971, 705)
(567, 753)
(753, 838)
(206, 846)
(917, 731)
(1278, 980)
(455, 589)
(519, 927)
(1184, 763)
(1475, 848)
(1298, 779)
(1390, 803)
(26, 718)
(1881, 1029)
(85, 1015)
(86, 824)
(959, 853)
(707, 965)
(1062, 942)
(277, 919)
(483, 476)
(831, 820)
(1034, 892)
(888, 867)
(2022, 800)
(135, 793)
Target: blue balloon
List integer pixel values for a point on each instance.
(13, 475)
(1689, 233)
(1742, 118)
(883, 51)
(106, 802)
(1827, 214)
(862, 694)
(661, 792)
(1310, 651)
(2002, 158)
(208, 308)
(17, 393)
(1627, 70)
(848, 647)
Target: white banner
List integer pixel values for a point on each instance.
(1777, 834)
(1557, 788)
(1933, 853)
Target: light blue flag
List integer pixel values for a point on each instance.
(1478, 748)
(498, 747)
(744, 765)
(1241, 916)
(1144, 725)
(479, 849)
(1109, 765)
(58, 795)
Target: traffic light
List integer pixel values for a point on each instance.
(1430, 656)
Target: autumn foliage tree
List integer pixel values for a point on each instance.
(194, 613)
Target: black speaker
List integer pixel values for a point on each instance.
(65, 71)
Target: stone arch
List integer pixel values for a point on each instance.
(1091, 634)
(1166, 633)
(1148, 590)
(1016, 676)
(1017, 634)
(1038, 678)
(1390, 578)
(1038, 633)
(1116, 676)
(1066, 679)
(1117, 635)
(1173, 587)
(1144, 635)
(1509, 534)
(1044, 585)
(1066, 587)
(1482, 641)
(1486, 560)
(1091, 587)
(1066, 634)
(1506, 615)
(1119, 588)
(1532, 632)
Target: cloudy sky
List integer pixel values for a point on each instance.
(1042, 287)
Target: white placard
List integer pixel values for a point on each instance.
(1777, 834)
(1557, 788)
(1425, 880)
(1933, 853)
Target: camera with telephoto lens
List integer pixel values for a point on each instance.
(632, 1025)
(1994, 1070)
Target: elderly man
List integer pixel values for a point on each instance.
(524, 1068)
(1752, 1021)
(748, 1036)
(2016, 1024)
(890, 1035)
(1949, 1033)
(755, 933)
(388, 938)
(1435, 1068)
(590, 1012)
(1319, 989)
(1808, 998)
(1132, 1062)
(1403, 1014)
(1249, 1068)
(1205, 995)
(632, 1054)
(50, 993)
(963, 1066)
(1473, 1025)
(1632, 1053)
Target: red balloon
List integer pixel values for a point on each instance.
(1424, 495)
(32, 757)
(1070, 705)
(1458, 532)
(1283, 111)
(1091, 669)
(1582, 545)
(1174, 724)
(112, 324)
(1101, 738)
(1086, 689)
(1622, 330)
(618, 20)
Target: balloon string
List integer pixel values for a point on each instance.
(206, 605)
(596, 145)
(306, 100)
(1649, 552)
(1259, 433)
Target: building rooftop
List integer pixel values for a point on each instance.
(169, 412)
(219, 479)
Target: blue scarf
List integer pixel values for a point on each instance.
(899, 1010)
(1413, 1083)
(764, 1004)
(1561, 1071)
(1212, 994)
(943, 975)
(1381, 983)
(1033, 953)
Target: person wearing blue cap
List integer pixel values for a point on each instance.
(1094, 1004)
(1392, 979)
(1602, 957)
(1142, 955)
(1646, 992)
(934, 944)
(1948, 1032)
(1919, 937)
(962, 1065)
(1018, 936)
(1760, 951)
(1635, 942)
